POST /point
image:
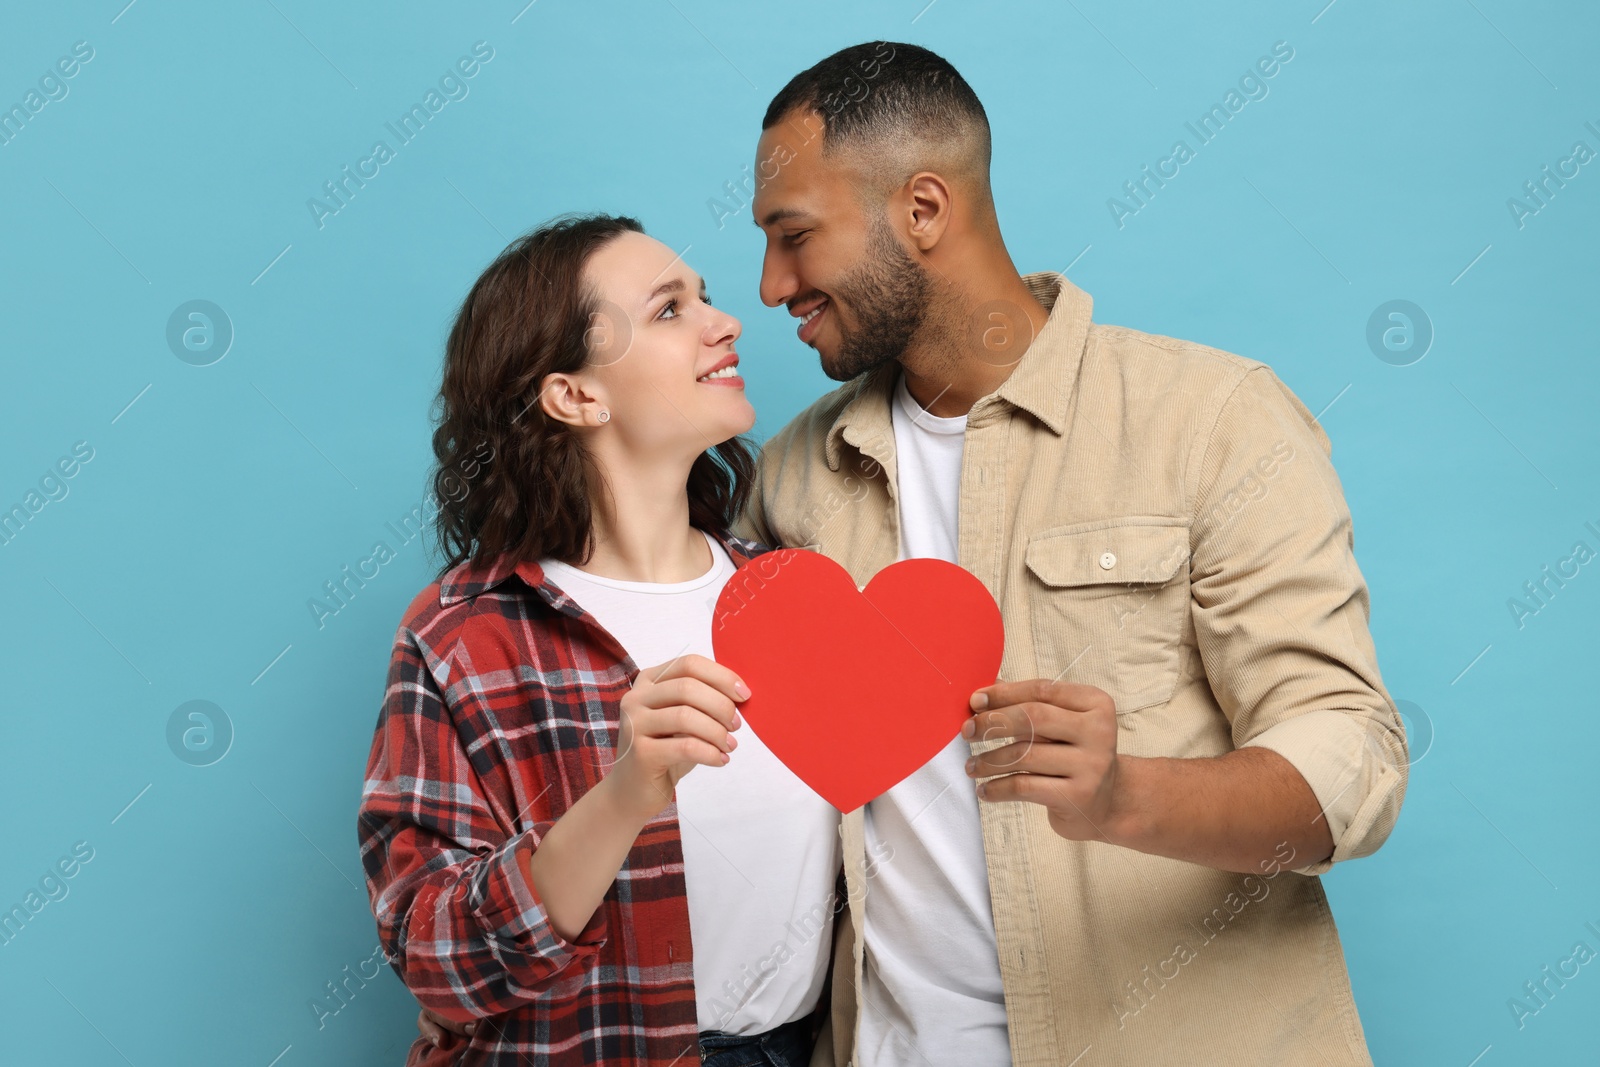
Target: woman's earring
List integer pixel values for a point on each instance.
(605, 416)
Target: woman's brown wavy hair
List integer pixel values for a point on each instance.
(509, 479)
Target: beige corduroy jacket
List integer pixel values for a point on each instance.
(1159, 519)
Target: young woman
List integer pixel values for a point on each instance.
(576, 851)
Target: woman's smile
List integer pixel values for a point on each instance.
(725, 373)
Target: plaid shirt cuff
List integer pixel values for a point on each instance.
(513, 918)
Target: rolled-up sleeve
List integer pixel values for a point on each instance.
(1281, 613)
(457, 916)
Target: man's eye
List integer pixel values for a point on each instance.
(794, 238)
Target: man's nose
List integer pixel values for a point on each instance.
(779, 284)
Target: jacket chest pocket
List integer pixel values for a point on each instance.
(1108, 606)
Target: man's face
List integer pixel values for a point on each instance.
(841, 269)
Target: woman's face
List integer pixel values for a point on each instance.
(652, 345)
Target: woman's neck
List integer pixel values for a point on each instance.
(642, 531)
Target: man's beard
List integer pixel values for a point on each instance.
(888, 296)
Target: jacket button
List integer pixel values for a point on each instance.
(1107, 561)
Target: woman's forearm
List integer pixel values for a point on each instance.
(580, 856)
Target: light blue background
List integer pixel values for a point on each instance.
(179, 566)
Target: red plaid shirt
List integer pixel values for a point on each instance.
(501, 710)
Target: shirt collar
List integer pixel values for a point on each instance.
(1040, 384)
(474, 576)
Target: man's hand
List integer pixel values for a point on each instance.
(1062, 755)
(1235, 811)
(441, 1032)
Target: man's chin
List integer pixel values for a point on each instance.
(847, 367)
(831, 369)
(828, 360)
(834, 361)
(834, 371)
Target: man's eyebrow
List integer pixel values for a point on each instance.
(779, 214)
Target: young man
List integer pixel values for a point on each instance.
(1193, 726)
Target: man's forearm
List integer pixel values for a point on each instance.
(1233, 812)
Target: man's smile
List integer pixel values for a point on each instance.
(810, 320)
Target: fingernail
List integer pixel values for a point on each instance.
(471, 1028)
(969, 728)
(972, 764)
(979, 701)
(742, 689)
(733, 742)
(724, 758)
(981, 787)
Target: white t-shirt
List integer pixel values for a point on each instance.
(760, 849)
(932, 980)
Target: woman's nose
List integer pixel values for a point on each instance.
(723, 329)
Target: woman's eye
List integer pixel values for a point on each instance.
(672, 306)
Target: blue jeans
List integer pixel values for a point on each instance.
(788, 1045)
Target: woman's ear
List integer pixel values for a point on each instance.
(571, 399)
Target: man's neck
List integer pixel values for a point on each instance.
(972, 342)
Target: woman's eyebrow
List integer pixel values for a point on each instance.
(672, 285)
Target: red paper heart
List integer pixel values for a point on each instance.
(854, 690)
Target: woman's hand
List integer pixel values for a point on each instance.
(677, 715)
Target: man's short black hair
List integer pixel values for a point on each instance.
(883, 95)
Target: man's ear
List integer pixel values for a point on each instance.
(928, 204)
(571, 398)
